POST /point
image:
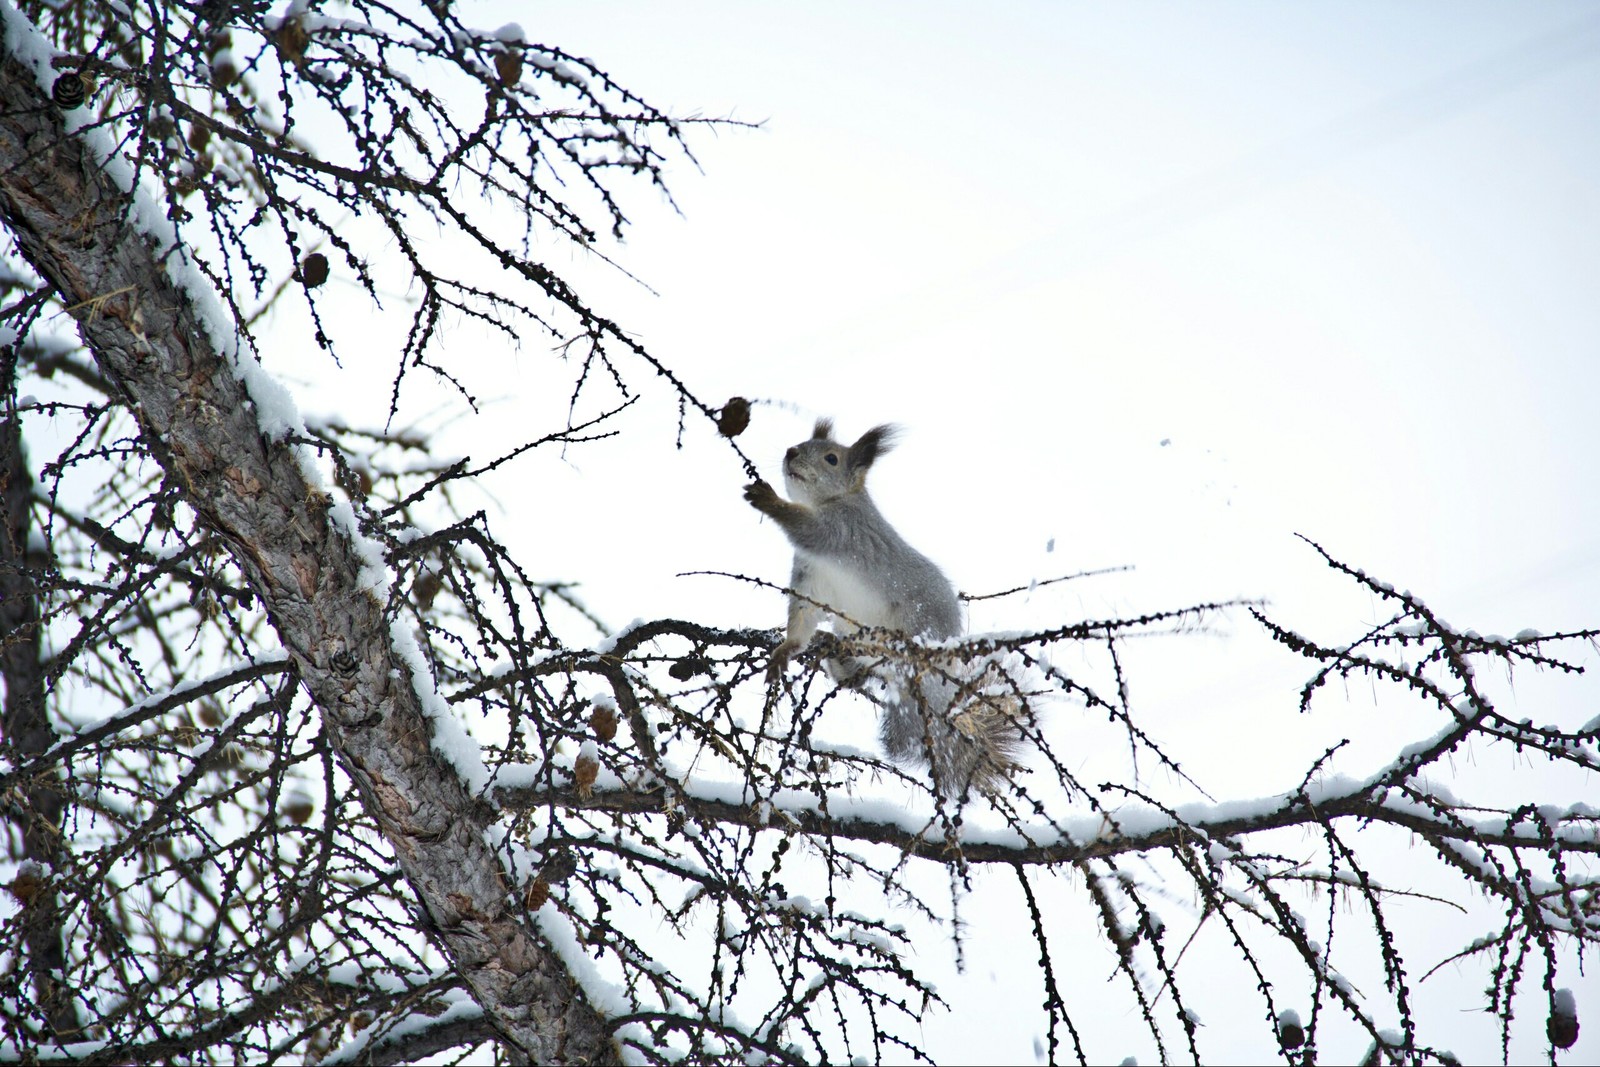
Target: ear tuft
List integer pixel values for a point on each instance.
(823, 431)
(872, 444)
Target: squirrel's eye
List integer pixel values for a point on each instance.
(833, 460)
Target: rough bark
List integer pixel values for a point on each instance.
(69, 221)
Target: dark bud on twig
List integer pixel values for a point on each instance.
(28, 883)
(1563, 1025)
(558, 866)
(734, 417)
(688, 667)
(425, 588)
(603, 721)
(69, 91)
(584, 771)
(298, 807)
(314, 271)
(1291, 1034)
(291, 39)
(509, 66)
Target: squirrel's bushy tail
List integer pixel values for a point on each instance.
(963, 722)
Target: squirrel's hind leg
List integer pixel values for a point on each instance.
(804, 617)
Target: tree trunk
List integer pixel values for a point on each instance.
(70, 221)
(26, 729)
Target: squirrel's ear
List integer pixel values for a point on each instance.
(872, 444)
(823, 431)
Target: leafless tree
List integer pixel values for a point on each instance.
(299, 762)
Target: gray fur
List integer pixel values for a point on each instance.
(849, 560)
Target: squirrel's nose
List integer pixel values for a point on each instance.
(793, 451)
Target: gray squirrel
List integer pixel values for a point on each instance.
(852, 566)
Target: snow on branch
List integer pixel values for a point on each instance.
(316, 768)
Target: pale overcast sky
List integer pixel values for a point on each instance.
(1341, 258)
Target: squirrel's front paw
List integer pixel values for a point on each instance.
(763, 497)
(780, 659)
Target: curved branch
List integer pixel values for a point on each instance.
(1296, 811)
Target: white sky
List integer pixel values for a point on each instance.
(1165, 283)
(1343, 259)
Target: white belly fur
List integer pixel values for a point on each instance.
(845, 592)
